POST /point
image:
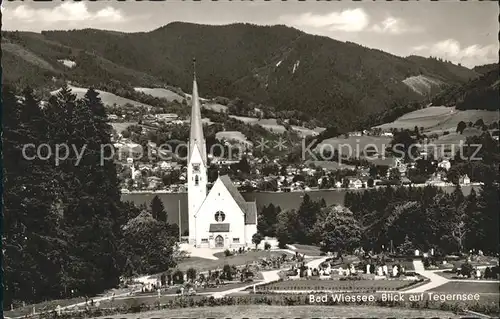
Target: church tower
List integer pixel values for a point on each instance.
(196, 162)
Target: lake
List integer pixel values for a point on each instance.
(284, 200)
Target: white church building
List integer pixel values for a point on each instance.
(222, 218)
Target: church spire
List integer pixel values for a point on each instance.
(196, 138)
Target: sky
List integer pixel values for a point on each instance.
(462, 32)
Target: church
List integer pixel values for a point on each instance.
(220, 218)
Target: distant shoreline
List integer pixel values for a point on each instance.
(304, 191)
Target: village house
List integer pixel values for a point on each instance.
(464, 180)
(444, 164)
(223, 161)
(437, 179)
(355, 183)
(405, 181)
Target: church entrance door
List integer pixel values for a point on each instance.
(219, 241)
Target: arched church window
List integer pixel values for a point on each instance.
(196, 168)
(220, 216)
(196, 180)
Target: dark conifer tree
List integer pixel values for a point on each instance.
(158, 210)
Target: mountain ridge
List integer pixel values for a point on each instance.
(272, 65)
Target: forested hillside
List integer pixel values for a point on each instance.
(278, 66)
(478, 94)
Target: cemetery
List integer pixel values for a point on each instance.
(354, 277)
(192, 281)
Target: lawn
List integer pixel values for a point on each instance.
(42, 306)
(257, 311)
(450, 274)
(336, 285)
(468, 287)
(307, 250)
(227, 286)
(201, 264)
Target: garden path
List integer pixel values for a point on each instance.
(269, 276)
(435, 280)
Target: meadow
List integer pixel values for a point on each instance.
(108, 99)
(440, 118)
(354, 145)
(233, 135)
(161, 93)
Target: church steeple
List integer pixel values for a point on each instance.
(196, 139)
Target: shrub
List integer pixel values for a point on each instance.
(487, 273)
(227, 253)
(427, 263)
(227, 272)
(134, 306)
(178, 277)
(466, 269)
(267, 246)
(191, 274)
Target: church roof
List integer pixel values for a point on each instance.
(249, 208)
(251, 213)
(196, 138)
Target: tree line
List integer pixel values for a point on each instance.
(66, 231)
(391, 218)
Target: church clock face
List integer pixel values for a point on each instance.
(196, 168)
(220, 216)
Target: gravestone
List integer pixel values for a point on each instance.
(385, 270)
(395, 271)
(58, 310)
(368, 269)
(380, 271)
